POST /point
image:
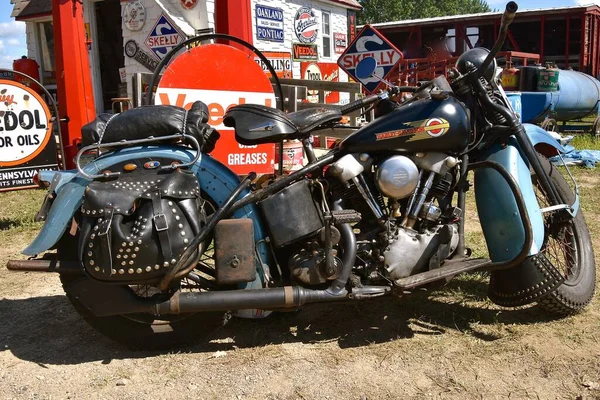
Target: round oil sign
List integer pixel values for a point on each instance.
(221, 76)
(25, 125)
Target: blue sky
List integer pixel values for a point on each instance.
(12, 33)
(12, 36)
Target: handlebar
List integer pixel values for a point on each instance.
(360, 103)
(365, 101)
(507, 18)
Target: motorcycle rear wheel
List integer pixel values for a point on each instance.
(144, 331)
(569, 247)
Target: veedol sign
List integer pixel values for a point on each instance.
(370, 43)
(25, 135)
(228, 77)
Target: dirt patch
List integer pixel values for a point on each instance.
(452, 343)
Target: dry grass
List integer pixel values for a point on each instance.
(451, 343)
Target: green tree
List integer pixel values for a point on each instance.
(375, 11)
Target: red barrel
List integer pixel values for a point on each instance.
(30, 67)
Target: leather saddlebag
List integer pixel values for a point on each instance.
(134, 228)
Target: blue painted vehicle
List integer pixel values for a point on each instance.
(156, 243)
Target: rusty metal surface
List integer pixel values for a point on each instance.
(43, 265)
(174, 303)
(234, 251)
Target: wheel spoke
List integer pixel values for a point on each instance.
(559, 242)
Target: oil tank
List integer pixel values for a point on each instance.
(579, 96)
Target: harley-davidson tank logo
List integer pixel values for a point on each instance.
(424, 129)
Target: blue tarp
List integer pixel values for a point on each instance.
(586, 158)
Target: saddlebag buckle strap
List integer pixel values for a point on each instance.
(161, 226)
(109, 212)
(160, 222)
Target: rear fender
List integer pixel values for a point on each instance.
(215, 179)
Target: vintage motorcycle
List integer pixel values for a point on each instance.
(158, 243)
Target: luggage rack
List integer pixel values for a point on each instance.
(129, 143)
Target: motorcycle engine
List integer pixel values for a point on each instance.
(410, 197)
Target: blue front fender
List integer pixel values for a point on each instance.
(498, 213)
(215, 179)
(543, 142)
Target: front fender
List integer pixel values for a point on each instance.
(542, 141)
(497, 208)
(215, 179)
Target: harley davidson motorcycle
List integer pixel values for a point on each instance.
(157, 242)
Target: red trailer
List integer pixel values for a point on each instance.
(567, 36)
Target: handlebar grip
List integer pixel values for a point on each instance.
(509, 13)
(358, 104)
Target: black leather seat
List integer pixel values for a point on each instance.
(255, 124)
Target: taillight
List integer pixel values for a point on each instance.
(41, 183)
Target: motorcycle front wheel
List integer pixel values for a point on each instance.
(568, 246)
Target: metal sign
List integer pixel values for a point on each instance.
(306, 25)
(340, 42)
(280, 61)
(163, 37)
(321, 72)
(305, 52)
(269, 23)
(26, 139)
(351, 19)
(228, 77)
(134, 16)
(188, 4)
(132, 50)
(370, 43)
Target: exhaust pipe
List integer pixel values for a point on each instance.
(285, 297)
(104, 300)
(45, 265)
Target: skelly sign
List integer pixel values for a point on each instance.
(26, 143)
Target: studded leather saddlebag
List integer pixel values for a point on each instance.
(135, 227)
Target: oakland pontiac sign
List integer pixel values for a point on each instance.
(26, 138)
(269, 23)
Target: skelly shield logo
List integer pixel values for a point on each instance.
(305, 25)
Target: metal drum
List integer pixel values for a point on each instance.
(529, 77)
(579, 96)
(548, 79)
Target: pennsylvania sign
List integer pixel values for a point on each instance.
(269, 23)
(163, 37)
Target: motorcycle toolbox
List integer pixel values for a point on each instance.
(292, 214)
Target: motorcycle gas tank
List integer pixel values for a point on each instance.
(426, 124)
